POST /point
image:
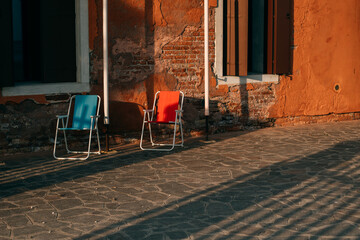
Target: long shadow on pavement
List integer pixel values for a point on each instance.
(30, 173)
(314, 195)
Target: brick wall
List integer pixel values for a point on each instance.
(184, 58)
(28, 125)
(230, 107)
(175, 51)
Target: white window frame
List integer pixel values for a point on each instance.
(219, 57)
(82, 83)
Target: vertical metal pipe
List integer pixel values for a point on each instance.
(206, 63)
(206, 55)
(207, 128)
(106, 70)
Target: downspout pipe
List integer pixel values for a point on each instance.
(206, 63)
(106, 72)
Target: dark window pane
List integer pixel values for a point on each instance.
(58, 54)
(6, 77)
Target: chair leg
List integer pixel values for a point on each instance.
(149, 126)
(88, 152)
(142, 138)
(90, 135)
(181, 133)
(159, 144)
(55, 141)
(174, 138)
(150, 133)
(56, 135)
(65, 139)
(66, 143)
(172, 145)
(142, 133)
(98, 140)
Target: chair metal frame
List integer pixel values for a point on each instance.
(93, 127)
(149, 119)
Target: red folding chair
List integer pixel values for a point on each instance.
(167, 109)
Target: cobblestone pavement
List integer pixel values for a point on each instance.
(297, 182)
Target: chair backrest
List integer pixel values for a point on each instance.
(167, 103)
(84, 107)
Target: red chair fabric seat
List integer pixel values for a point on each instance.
(167, 109)
(167, 104)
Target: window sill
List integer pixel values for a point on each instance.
(252, 78)
(47, 88)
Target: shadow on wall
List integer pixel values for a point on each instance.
(221, 119)
(28, 126)
(127, 117)
(131, 68)
(126, 114)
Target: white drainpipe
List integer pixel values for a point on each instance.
(106, 66)
(206, 54)
(206, 63)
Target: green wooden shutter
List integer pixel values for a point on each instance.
(6, 59)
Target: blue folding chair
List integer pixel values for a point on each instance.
(85, 116)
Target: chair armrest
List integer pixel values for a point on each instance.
(61, 116)
(148, 110)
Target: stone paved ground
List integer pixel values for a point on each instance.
(278, 183)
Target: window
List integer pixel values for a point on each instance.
(45, 47)
(253, 39)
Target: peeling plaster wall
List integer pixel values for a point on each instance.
(326, 61)
(154, 45)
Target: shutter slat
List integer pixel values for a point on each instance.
(243, 37)
(237, 37)
(6, 46)
(270, 37)
(283, 40)
(230, 37)
(279, 37)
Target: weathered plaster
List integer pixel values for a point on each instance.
(138, 33)
(326, 54)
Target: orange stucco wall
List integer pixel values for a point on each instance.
(325, 55)
(145, 34)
